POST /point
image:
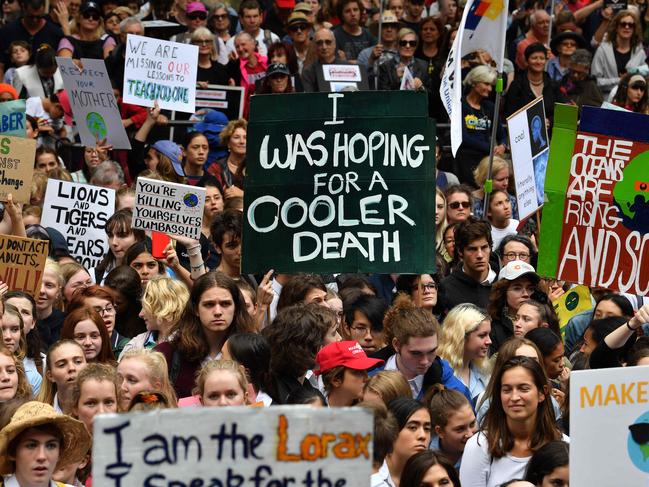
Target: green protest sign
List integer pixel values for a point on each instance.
(340, 182)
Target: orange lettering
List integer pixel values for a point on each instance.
(282, 455)
(308, 443)
(345, 449)
(361, 445)
(326, 439)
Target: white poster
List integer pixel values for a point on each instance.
(93, 102)
(79, 212)
(528, 138)
(174, 209)
(160, 70)
(234, 446)
(341, 72)
(609, 427)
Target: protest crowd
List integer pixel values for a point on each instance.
(466, 370)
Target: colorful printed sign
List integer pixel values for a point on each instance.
(346, 186)
(234, 446)
(160, 70)
(79, 212)
(595, 228)
(12, 118)
(174, 209)
(609, 427)
(22, 261)
(16, 167)
(570, 303)
(93, 103)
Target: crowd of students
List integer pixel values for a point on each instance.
(466, 371)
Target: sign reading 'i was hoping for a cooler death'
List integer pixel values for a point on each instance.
(345, 186)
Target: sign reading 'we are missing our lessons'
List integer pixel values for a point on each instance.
(346, 186)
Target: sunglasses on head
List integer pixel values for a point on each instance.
(627, 25)
(197, 16)
(456, 204)
(408, 43)
(91, 15)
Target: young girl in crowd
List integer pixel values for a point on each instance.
(464, 344)
(453, 422)
(85, 326)
(548, 467)
(13, 335)
(50, 319)
(126, 286)
(551, 347)
(343, 366)
(140, 257)
(519, 421)
(531, 315)
(222, 383)
(13, 381)
(163, 302)
(252, 351)
(63, 362)
(143, 371)
(195, 151)
(75, 277)
(215, 311)
(422, 289)
(121, 235)
(94, 392)
(429, 469)
(414, 436)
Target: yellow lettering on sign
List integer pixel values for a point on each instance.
(624, 394)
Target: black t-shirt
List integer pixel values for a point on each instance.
(621, 60)
(352, 45)
(217, 74)
(49, 34)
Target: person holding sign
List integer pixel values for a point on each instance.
(85, 38)
(36, 441)
(391, 73)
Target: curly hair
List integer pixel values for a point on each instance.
(165, 298)
(228, 131)
(404, 320)
(462, 320)
(611, 32)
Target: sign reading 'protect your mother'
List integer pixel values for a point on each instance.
(345, 186)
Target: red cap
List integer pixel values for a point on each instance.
(285, 3)
(348, 354)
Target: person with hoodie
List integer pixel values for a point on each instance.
(412, 336)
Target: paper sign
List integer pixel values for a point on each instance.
(528, 138)
(408, 80)
(22, 261)
(79, 212)
(16, 167)
(93, 102)
(171, 208)
(609, 427)
(160, 70)
(12, 118)
(341, 72)
(346, 186)
(234, 446)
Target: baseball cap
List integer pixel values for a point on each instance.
(173, 152)
(195, 7)
(518, 268)
(347, 354)
(277, 68)
(89, 6)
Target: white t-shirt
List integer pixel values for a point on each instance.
(261, 45)
(497, 234)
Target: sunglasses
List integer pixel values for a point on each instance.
(221, 17)
(408, 43)
(324, 42)
(640, 433)
(202, 42)
(627, 25)
(91, 16)
(295, 28)
(197, 16)
(456, 204)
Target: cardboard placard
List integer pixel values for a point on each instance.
(609, 427)
(93, 103)
(12, 118)
(234, 446)
(160, 70)
(22, 261)
(16, 167)
(79, 212)
(346, 186)
(595, 230)
(530, 146)
(171, 208)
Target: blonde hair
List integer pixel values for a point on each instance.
(38, 187)
(481, 171)
(439, 231)
(205, 33)
(459, 322)
(157, 369)
(94, 371)
(388, 385)
(21, 349)
(165, 298)
(229, 365)
(228, 130)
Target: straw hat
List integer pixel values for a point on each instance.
(76, 439)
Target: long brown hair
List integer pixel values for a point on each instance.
(24, 389)
(80, 314)
(499, 437)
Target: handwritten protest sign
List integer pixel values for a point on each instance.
(160, 70)
(174, 209)
(22, 261)
(93, 102)
(346, 186)
(528, 138)
(12, 118)
(79, 212)
(279, 446)
(609, 427)
(596, 228)
(16, 167)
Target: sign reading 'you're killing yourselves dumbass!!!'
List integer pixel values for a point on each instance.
(284, 446)
(347, 185)
(595, 228)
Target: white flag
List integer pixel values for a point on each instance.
(483, 26)
(407, 81)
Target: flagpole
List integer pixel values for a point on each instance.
(488, 185)
(376, 74)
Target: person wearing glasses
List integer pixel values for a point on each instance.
(391, 73)
(220, 23)
(299, 29)
(631, 93)
(85, 36)
(578, 86)
(621, 51)
(563, 46)
(422, 289)
(210, 70)
(516, 247)
(458, 203)
(363, 322)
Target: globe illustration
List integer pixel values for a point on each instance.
(97, 125)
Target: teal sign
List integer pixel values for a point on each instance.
(12, 118)
(340, 182)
